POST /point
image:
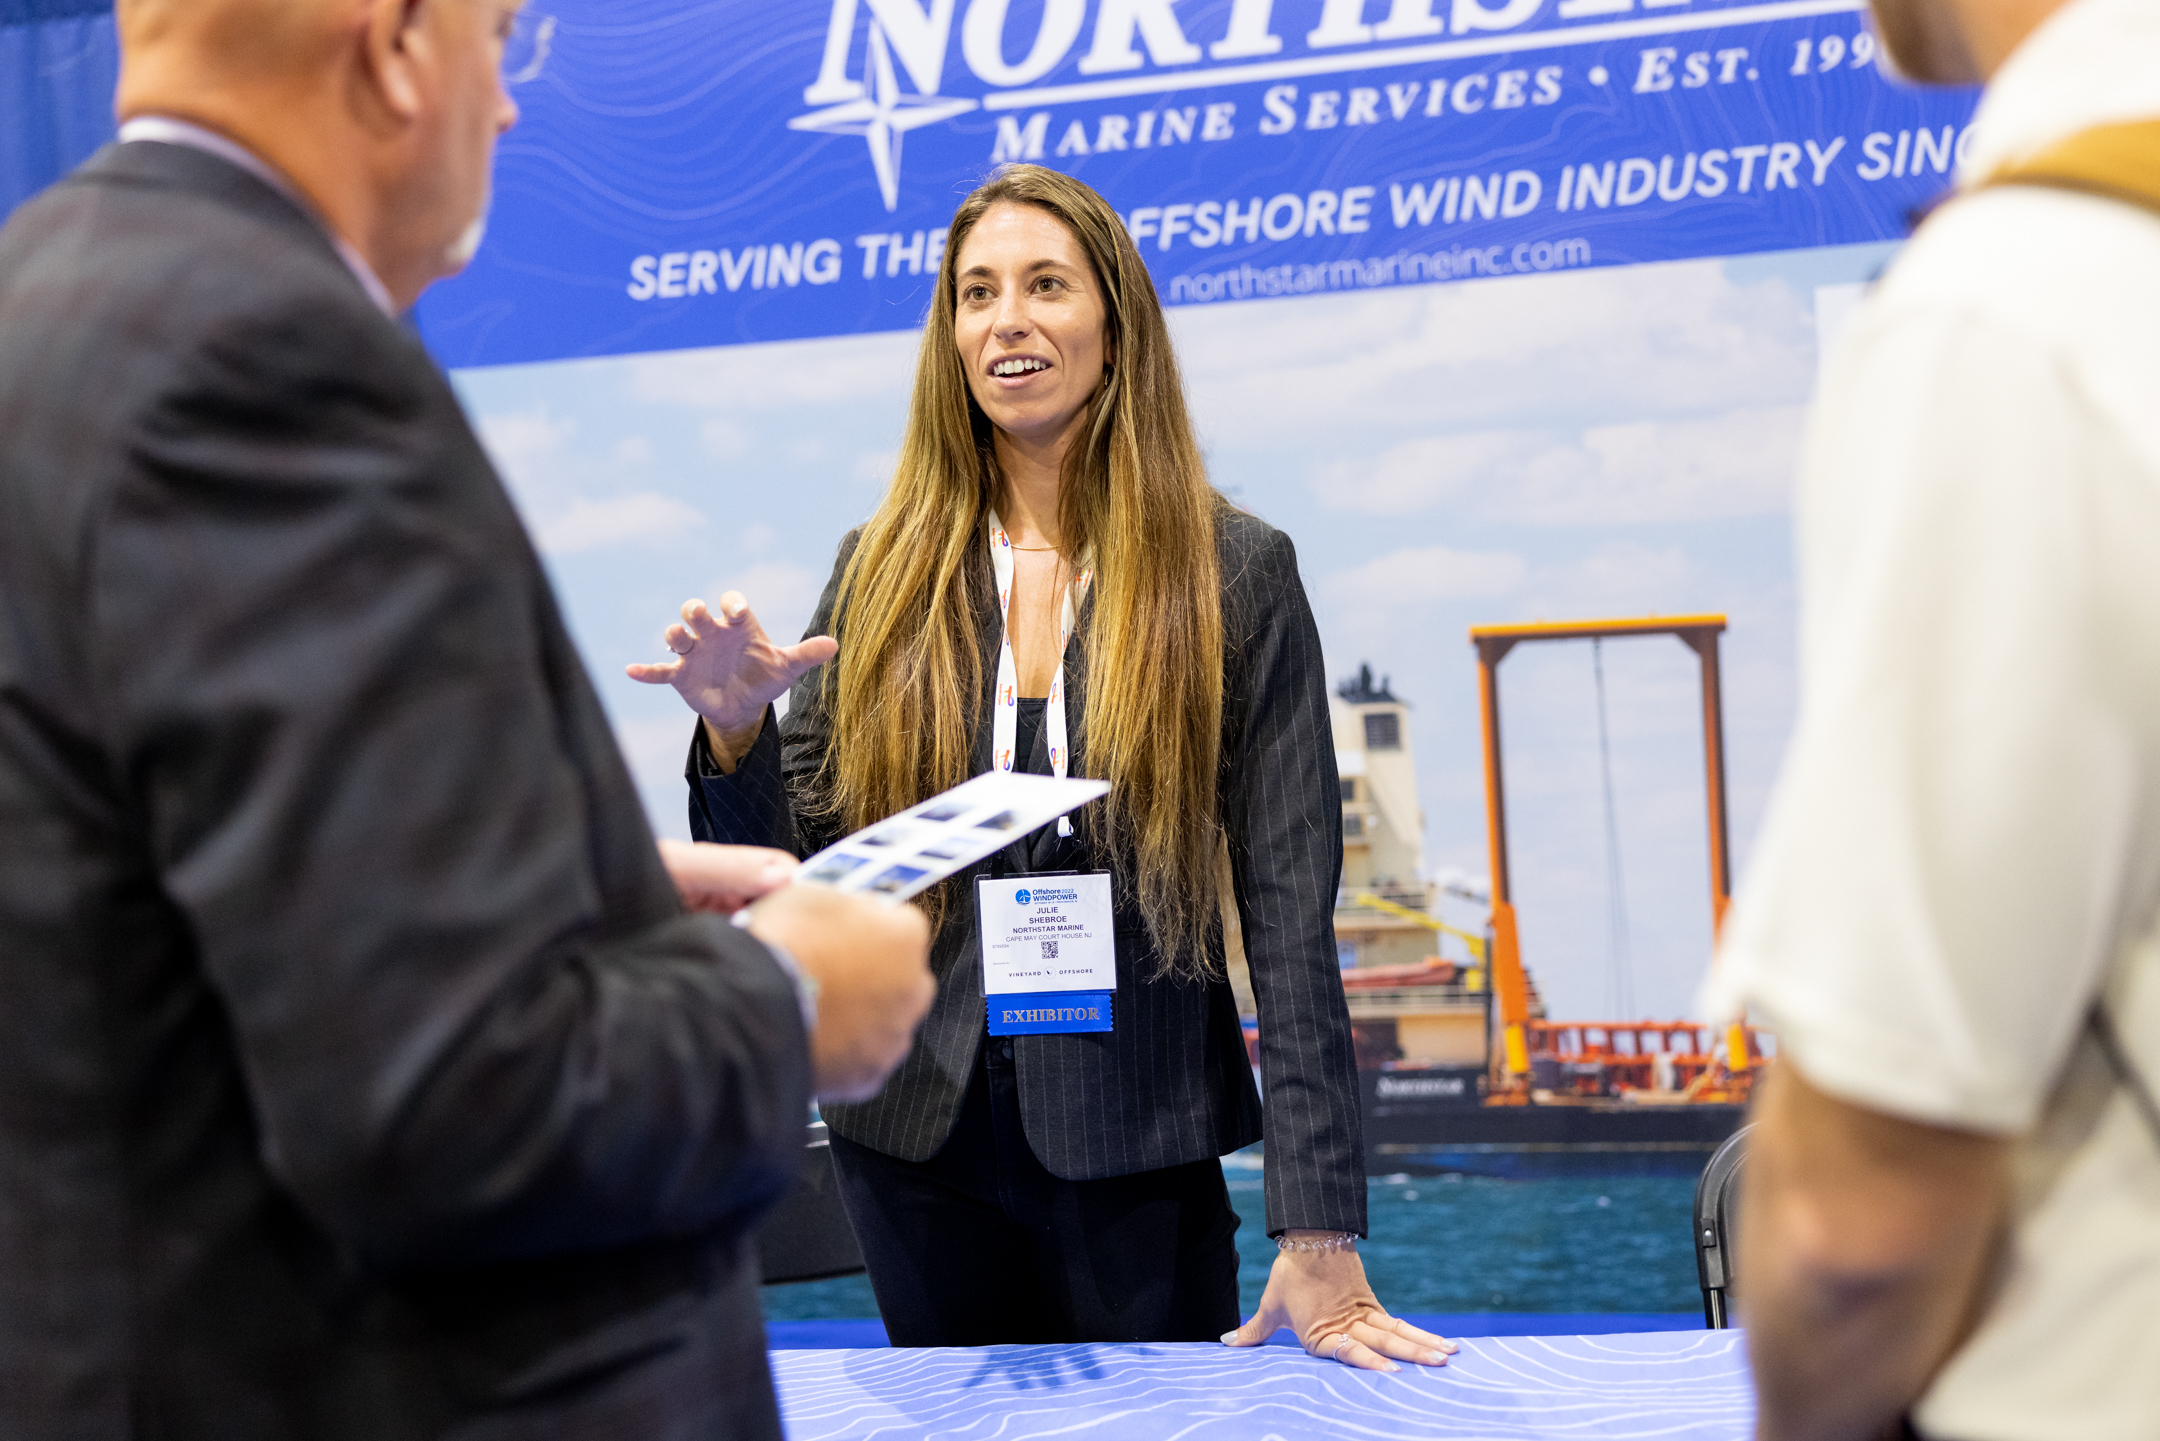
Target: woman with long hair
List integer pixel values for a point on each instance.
(1052, 584)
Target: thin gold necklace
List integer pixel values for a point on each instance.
(1033, 549)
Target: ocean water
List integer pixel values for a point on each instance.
(1451, 1244)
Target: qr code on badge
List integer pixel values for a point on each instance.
(1049, 950)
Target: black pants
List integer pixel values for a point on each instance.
(981, 1246)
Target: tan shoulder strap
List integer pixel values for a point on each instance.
(2111, 1047)
(2120, 162)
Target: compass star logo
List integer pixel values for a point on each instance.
(883, 116)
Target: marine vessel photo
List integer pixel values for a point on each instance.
(1461, 1067)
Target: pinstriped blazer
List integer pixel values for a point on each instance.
(1171, 1084)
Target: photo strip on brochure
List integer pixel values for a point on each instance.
(906, 854)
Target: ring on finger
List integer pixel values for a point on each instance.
(1336, 1354)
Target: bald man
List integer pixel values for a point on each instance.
(362, 1073)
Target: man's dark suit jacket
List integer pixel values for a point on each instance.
(360, 1075)
(1172, 1083)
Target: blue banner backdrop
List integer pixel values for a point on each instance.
(1592, 440)
(59, 60)
(694, 175)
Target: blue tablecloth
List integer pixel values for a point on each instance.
(1676, 1386)
(855, 1335)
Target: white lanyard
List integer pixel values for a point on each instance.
(1005, 719)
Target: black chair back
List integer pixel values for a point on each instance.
(807, 1236)
(1717, 1207)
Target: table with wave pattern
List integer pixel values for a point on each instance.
(1675, 1386)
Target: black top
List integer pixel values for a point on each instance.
(1172, 1083)
(1027, 727)
(360, 1075)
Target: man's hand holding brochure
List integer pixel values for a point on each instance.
(838, 917)
(906, 854)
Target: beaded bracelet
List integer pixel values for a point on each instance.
(1333, 1241)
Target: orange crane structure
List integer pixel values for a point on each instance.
(1510, 1081)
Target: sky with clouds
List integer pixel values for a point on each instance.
(1597, 443)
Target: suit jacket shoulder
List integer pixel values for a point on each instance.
(164, 253)
(1259, 571)
(158, 290)
(1242, 538)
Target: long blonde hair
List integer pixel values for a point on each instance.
(907, 689)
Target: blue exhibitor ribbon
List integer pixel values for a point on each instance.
(1049, 1013)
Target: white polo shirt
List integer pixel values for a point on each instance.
(1964, 846)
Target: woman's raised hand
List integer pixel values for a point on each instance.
(728, 670)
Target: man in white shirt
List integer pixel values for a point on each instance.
(1952, 1205)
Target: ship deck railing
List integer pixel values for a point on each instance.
(1418, 895)
(1382, 1001)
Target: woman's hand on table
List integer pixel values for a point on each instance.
(724, 879)
(728, 670)
(1323, 1296)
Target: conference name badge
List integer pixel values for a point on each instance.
(1049, 957)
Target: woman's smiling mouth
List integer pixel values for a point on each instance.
(1018, 365)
